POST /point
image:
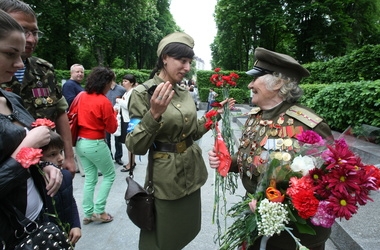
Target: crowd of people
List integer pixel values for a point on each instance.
(157, 117)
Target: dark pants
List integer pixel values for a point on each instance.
(256, 246)
(209, 105)
(118, 147)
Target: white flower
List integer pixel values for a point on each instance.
(273, 215)
(302, 164)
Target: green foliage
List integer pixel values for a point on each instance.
(348, 104)
(117, 33)
(307, 30)
(86, 58)
(117, 63)
(361, 64)
(140, 76)
(309, 92)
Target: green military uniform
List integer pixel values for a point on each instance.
(39, 90)
(177, 177)
(261, 135)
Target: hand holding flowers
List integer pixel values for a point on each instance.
(29, 153)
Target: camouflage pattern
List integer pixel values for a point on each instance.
(39, 75)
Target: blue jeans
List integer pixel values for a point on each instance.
(95, 156)
(209, 105)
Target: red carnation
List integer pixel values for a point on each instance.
(29, 156)
(310, 137)
(305, 203)
(216, 105)
(43, 122)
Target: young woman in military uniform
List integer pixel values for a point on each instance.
(165, 122)
(277, 116)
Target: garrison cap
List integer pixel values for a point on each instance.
(176, 37)
(268, 62)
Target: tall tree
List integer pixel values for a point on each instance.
(242, 26)
(102, 31)
(309, 30)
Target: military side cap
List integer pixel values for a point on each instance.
(268, 62)
(176, 37)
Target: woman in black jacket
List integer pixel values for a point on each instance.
(20, 187)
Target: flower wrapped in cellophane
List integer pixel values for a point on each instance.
(224, 146)
(312, 181)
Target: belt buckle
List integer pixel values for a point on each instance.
(181, 147)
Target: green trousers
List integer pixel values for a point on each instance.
(95, 156)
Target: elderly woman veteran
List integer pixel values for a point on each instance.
(275, 93)
(166, 124)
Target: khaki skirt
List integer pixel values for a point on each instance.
(177, 223)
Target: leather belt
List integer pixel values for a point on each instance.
(179, 147)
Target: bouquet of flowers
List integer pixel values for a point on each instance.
(310, 180)
(224, 144)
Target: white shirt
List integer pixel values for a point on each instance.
(123, 102)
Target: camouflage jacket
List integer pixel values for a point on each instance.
(39, 90)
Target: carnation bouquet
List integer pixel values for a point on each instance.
(224, 146)
(307, 180)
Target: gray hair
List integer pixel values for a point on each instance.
(76, 65)
(290, 91)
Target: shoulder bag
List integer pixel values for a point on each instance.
(140, 201)
(72, 114)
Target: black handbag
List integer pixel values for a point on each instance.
(140, 201)
(44, 235)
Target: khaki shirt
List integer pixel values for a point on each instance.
(41, 95)
(174, 174)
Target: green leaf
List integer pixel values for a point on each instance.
(251, 222)
(291, 215)
(305, 229)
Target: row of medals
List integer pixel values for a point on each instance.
(256, 138)
(43, 100)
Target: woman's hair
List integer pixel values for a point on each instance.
(175, 50)
(131, 78)
(8, 24)
(56, 142)
(290, 91)
(98, 78)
